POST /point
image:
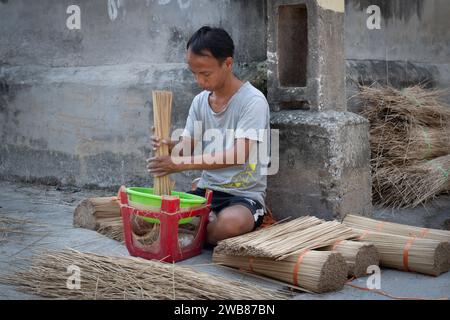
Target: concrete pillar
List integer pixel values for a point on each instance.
(324, 150)
(305, 55)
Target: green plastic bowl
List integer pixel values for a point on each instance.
(145, 198)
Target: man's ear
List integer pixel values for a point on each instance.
(229, 62)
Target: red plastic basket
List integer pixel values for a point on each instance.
(167, 249)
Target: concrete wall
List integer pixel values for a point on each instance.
(75, 105)
(412, 46)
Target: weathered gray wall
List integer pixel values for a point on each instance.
(75, 106)
(412, 46)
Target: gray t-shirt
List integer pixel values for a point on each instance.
(247, 114)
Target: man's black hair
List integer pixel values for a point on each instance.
(215, 40)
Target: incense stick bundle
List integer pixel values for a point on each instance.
(162, 111)
(90, 212)
(316, 271)
(123, 278)
(360, 222)
(358, 256)
(426, 256)
(284, 239)
(242, 244)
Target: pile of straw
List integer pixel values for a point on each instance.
(314, 271)
(408, 128)
(410, 186)
(162, 112)
(282, 240)
(358, 256)
(122, 278)
(360, 222)
(409, 253)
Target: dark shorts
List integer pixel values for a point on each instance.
(222, 200)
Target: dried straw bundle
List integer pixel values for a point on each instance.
(284, 239)
(426, 256)
(360, 222)
(402, 187)
(113, 228)
(403, 144)
(358, 256)
(316, 271)
(407, 127)
(413, 105)
(123, 278)
(162, 111)
(91, 212)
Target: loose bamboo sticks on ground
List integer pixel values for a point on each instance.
(284, 239)
(426, 256)
(316, 271)
(358, 256)
(162, 111)
(13, 226)
(240, 245)
(364, 223)
(108, 277)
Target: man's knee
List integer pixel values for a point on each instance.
(230, 223)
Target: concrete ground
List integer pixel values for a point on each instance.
(51, 208)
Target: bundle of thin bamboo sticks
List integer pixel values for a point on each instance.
(123, 278)
(162, 112)
(91, 212)
(241, 244)
(316, 271)
(284, 239)
(358, 256)
(426, 256)
(364, 223)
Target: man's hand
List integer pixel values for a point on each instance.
(157, 141)
(162, 166)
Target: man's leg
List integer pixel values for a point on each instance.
(230, 222)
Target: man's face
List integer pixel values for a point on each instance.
(209, 72)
